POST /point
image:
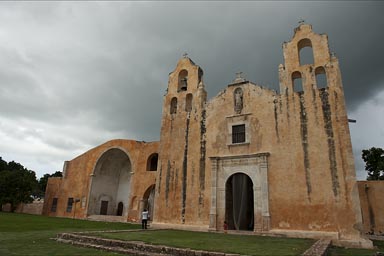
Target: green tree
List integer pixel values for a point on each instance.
(3, 164)
(374, 163)
(16, 184)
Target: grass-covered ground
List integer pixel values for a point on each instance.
(338, 251)
(241, 244)
(22, 234)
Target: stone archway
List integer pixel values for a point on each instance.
(110, 184)
(223, 169)
(239, 208)
(148, 201)
(120, 208)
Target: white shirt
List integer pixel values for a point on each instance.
(144, 215)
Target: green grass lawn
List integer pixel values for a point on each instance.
(241, 244)
(338, 251)
(23, 234)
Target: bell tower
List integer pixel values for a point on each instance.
(180, 183)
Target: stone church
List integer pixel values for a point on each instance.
(263, 161)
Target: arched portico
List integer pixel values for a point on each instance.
(110, 184)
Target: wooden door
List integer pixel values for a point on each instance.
(104, 208)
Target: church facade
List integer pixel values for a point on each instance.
(259, 160)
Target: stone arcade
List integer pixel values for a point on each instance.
(267, 162)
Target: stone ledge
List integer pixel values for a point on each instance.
(306, 234)
(159, 225)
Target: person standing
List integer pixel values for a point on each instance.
(144, 219)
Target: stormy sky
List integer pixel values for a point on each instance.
(74, 75)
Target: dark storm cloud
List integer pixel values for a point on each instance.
(79, 73)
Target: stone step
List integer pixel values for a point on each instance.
(319, 248)
(132, 247)
(108, 218)
(110, 249)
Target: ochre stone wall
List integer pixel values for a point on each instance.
(77, 178)
(182, 192)
(372, 207)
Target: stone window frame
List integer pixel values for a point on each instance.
(238, 133)
(238, 120)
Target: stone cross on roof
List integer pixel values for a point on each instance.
(239, 77)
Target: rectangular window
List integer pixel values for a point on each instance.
(238, 133)
(54, 205)
(69, 204)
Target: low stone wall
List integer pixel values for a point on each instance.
(132, 247)
(319, 248)
(36, 207)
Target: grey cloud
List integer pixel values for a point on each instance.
(86, 72)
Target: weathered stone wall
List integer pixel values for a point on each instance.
(53, 190)
(371, 200)
(310, 182)
(78, 173)
(181, 194)
(36, 207)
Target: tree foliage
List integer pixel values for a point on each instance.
(16, 183)
(374, 163)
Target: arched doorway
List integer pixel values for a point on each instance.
(149, 200)
(120, 208)
(110, 184)
(239, 208)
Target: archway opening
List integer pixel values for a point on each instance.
(297, 82)
(239, 206)
(110, 184)
(149, 200)
(321, 77)
(152, 162)
(120, 208)
(305, 52)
